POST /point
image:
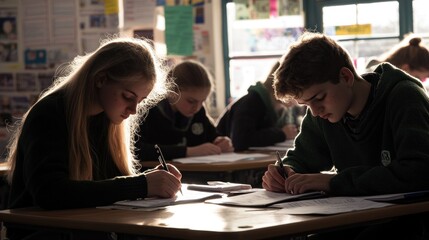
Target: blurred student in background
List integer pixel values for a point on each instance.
(409, 55)
(180, 124)
(73, 147)
(257, 119)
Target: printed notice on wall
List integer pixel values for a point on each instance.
(139, 12)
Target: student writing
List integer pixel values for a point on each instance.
(372, 129)
(180, 124)
(73, 147)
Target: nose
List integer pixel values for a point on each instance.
(197, 107)
(132, 108)
(315, 110)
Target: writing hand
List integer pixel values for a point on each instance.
(273, 181)
(161, 183)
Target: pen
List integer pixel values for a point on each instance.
(280, 166)
(162, 161)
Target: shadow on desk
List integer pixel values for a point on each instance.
(248, 176)
(243, 171)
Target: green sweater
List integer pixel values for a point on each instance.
(388, 152)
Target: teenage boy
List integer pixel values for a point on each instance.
(370, 131)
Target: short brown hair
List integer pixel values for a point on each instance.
(315, 58)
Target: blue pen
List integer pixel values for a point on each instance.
(280, 166)
(162, 161)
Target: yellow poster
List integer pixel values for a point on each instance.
(111, 7)
(356, 29)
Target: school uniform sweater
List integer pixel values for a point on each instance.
(41, 175)
(173, 132)
(386, 151)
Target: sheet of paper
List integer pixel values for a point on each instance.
(187, 197)
(281, 146)
(261, 198)
(224, 157)
(330, 205)
(397, 197)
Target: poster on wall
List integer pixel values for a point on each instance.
(178, 30)
(139, 13)
(8, 35)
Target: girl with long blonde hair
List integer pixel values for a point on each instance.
(74, 147)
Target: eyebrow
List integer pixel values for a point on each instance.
(311, 98)
(135, 95)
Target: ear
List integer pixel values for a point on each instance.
(347, 76)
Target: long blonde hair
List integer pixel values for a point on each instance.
(120, 59)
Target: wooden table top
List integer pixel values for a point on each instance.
(202, 220)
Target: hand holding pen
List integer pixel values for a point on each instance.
(162, 161)
(280, 166)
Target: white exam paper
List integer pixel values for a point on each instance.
(327, 206)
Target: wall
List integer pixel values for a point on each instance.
(36, 37)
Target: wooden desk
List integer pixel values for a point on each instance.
(202, 221)
(246, 171)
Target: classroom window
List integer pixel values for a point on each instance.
(362, 30)
(420, 23)
(421, 19)
(258, 35)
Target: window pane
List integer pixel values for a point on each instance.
(381, 25)
(363, 50)
(263, 36)
(421, 16)
(246, 72)
(257, 38)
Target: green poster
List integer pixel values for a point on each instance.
(179, 35)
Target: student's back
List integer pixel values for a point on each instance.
(257, 119)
